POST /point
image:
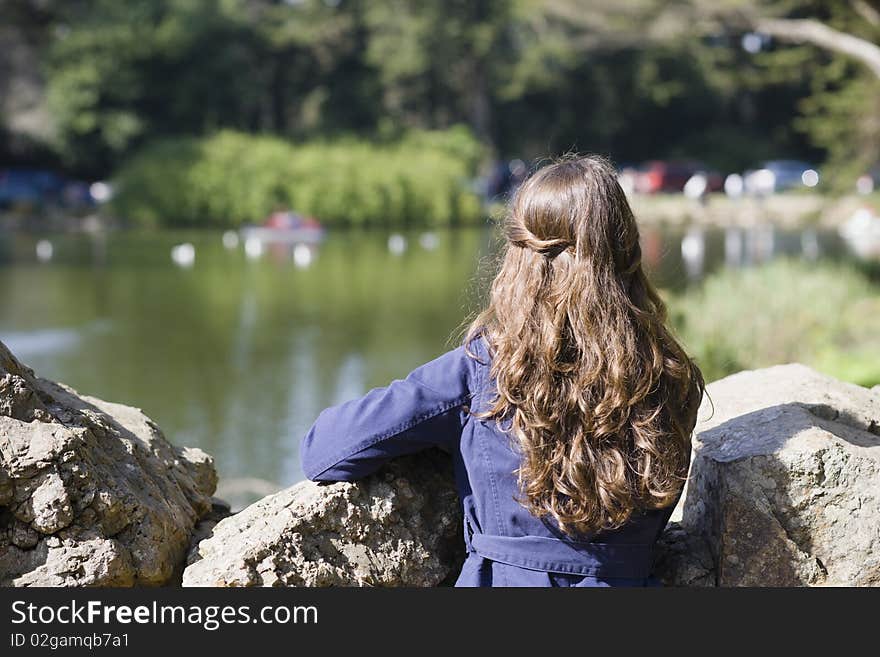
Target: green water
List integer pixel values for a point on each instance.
(238, 355)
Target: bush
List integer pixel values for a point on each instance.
(232, 178)
(823, 315)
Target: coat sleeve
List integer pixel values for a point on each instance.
(352, 440)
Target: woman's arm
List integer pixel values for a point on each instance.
(425, 409)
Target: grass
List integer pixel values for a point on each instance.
(824, 315)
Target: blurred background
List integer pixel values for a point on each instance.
(234, 213)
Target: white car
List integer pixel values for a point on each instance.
(778, 175)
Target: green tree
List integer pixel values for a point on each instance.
(437, 60)
(834, 45)
(122, 72)
(634, 78)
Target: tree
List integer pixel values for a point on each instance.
(635, 78)
(841, 115)
(835, 53)
(120, 73)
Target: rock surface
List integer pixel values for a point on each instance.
(784, 491)
(784, 487)
(91, 493)
(399, 527)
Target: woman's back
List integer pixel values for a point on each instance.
(568, 408)
(506, 544)
(438, 405)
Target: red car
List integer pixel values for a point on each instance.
(659, 176)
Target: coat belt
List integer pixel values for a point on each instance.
(558, 555)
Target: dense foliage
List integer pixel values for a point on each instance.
(635, 78)
(232, 178)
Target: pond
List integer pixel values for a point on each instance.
(237, 352)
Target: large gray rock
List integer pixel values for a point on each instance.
(784, 487)
(91, 493)
(399, 527)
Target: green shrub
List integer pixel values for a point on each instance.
(232, 178)
(823, 315)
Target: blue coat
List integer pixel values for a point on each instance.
(506, 545)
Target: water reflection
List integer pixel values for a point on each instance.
(29, 344)
(862, 233)
(239, 352)
(233, 354)
(733, 246)
(810, 244)
(760, 244)
(693, 252)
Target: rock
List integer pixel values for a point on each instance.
(784, 487)
(684, 558)
(219, 510)
(91, 493)
(399, 527)
(784, 490)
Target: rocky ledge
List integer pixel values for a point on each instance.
(91, 493)
(784, 491)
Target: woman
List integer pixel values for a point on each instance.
(568, 409)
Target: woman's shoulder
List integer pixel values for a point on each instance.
(476, 347)
(460, 368)
(478, 353)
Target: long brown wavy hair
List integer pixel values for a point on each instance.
(601, 399)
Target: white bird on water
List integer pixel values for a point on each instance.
(253, 248)
(230, 239)
(302, 256)
(429, 241)
(396, 244)
(183, 255)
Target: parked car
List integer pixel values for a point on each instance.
(661, 176)
(38, 188)
(779, 175)
(29, 187)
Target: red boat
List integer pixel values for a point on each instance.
(286, 227)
